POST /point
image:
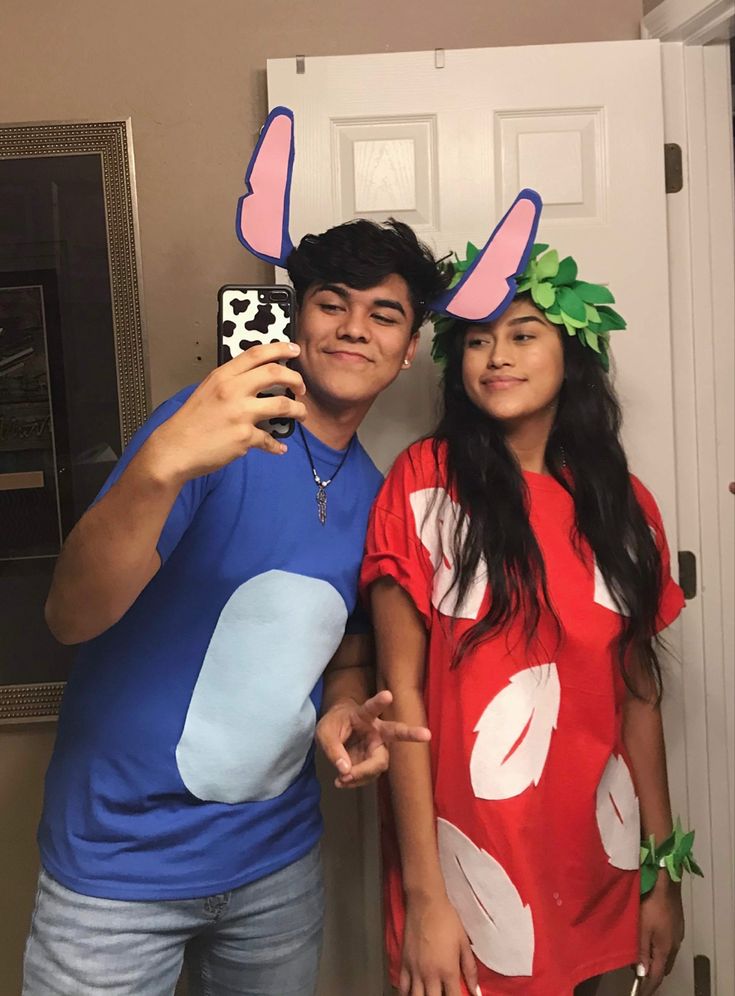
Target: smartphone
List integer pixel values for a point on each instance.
(254, 316)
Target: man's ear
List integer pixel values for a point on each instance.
(413, 345)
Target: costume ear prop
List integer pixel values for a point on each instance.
(488, 285)
(261, 222)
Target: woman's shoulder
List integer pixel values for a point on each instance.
(423, 463)
(643, 495)
(648, 505)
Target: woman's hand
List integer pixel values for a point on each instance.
(436, 951)
(661, 931)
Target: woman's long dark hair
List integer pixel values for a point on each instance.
(584, 454)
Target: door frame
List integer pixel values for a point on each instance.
(693, 22)
(698, 117)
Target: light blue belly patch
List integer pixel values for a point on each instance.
(250, 722)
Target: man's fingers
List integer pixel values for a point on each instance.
(400, 732)
(372, 708)
(264, 441)
(279, 406)
(365, 771)
(272, 352)
(330, 740)
(271, 375)
(341, 760)
(390, 732)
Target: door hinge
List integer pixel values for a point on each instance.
(688, 573)
(673, 168)
(702, 976)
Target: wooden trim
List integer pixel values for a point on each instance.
(694, 22)
(111, 141)
(30, 703)
(701, 231)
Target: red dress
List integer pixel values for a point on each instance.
(537, 813)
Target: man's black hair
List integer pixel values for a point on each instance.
(361, 254)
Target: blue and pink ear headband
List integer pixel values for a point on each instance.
(487, 286)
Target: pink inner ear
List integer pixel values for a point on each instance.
(487, 286)
(262, 211)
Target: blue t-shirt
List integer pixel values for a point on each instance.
(184, 761)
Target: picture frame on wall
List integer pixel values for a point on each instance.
(73, 370)
(32, 436)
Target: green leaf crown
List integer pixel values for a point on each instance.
(582, 308)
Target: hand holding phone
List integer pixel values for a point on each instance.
(255, 316)
(221, 420)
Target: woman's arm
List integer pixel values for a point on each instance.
(435, 948)
(662, 919)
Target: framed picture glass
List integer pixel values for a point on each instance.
(73, 384)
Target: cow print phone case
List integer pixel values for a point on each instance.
(254, 316)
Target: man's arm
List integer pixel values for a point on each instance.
(350, 675)
(110, 555)
(349, 680)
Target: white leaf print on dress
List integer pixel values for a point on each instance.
(514, 734)
(499, 926)
(618, 815)
(436, 517)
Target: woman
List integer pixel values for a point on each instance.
(518, 576)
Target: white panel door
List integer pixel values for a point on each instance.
(444, 143)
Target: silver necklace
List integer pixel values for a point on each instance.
(321, 486)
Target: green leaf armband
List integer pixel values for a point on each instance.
(674, 855)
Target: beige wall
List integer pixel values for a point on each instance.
(191, 75)
(648, 5)
(24, 753)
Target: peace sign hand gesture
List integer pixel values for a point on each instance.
(356, 740)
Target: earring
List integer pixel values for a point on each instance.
(406, 363)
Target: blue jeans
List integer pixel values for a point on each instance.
(262, 939)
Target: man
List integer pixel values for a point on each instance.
(181, 808)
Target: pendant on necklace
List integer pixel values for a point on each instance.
(321, 504)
